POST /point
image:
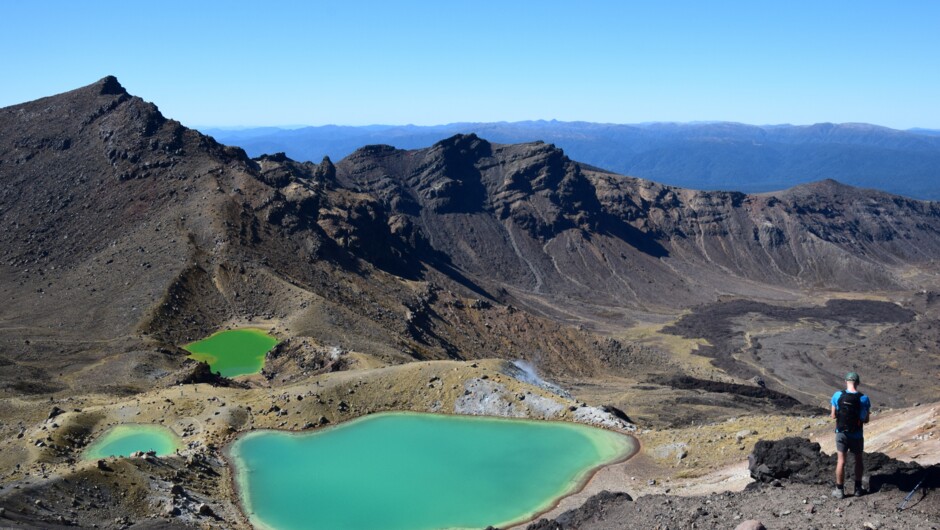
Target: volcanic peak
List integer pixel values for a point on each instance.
(109, 85)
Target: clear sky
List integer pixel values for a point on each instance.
(431, 62)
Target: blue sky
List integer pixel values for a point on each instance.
(430, 62)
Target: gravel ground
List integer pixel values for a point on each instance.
(789, 505)
(792, 489)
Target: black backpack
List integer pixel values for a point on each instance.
(849, 412)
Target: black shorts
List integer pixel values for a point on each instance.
(844, 443)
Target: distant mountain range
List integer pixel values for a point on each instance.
(706, 156)
(928, 132)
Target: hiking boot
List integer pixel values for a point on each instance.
(838, 493)
(859, 491)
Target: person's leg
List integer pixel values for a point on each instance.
(859, 468)
(841, 448)
(840, 469)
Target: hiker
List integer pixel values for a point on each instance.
(850, 409)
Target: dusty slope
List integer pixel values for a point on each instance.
(130, 234)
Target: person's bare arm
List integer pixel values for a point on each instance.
(832, 412)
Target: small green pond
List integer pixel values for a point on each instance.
(124, 440)
(233, 352)
(409, 471)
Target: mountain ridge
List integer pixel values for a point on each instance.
(624, 200)
(712, 155)
(127, 228)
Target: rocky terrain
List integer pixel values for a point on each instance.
(410, 280)
(791, 489)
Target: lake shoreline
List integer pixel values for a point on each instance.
(237, 360)
(104, 439)
(630, 447)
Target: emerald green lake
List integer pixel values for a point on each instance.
(233, 352)
(124, 440)
(409, 471)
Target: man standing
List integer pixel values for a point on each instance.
(850, 409)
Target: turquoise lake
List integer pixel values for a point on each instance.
(409, 471)
(124, 440)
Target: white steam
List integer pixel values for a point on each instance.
(525, 372)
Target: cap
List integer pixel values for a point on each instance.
(851, 376)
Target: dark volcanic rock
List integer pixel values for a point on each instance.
(617, 413)
(593, 508)
(196, 372)
(326, 171)
(792, 458)
(110, 86)
(813, 360)
(799, 460)
(774, 399)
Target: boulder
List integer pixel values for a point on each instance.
(790, 458)
(617, 413)
(799, 460)
(741, 435)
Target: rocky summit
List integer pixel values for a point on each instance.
(466, 277)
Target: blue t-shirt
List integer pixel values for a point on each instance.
(866, 407)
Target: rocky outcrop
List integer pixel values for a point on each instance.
(485, 397)
(528, 219)
(592, 509)
(799, 460)
(196, 372)
(792, 458)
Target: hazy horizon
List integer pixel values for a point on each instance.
(544, 120)
(430, 63)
